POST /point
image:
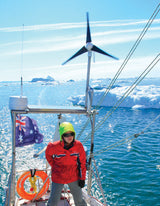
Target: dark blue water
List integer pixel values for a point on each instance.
(130, 172)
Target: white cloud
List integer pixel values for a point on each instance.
(100, 69)
(64, 43)
(61, 26)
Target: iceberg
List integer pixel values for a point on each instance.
(40, 79)
(142, 97)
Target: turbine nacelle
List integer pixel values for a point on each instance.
(89, 46)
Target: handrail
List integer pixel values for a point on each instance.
(54, 109)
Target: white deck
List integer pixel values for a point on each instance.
(66, 200)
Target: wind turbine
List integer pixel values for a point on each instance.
(89, 47)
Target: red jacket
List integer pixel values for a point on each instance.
(64, 162)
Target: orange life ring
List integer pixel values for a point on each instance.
(27, 195)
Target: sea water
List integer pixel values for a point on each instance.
(129, 171)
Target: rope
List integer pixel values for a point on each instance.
(130, 53)
(129, 90)
(131, 137)
(140, 78)
(125, 61)
(99, 181)
(32, 181)
(82, 130)
(41, 187)
(121, 142)
(151, 123)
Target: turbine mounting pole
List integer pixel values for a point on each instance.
(89, 47)
(88, 78)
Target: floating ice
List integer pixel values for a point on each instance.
(141, 97)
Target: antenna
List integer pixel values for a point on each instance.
(22, 61)
(89, 48)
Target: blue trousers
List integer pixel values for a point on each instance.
(56, 194)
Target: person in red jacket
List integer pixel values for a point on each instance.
(67, 159)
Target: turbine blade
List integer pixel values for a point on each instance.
(96, 49)
(81, 51)
(88, 38)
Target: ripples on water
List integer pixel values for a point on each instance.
(130, 173)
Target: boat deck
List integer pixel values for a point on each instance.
(66, 200)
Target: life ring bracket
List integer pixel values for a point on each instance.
(28, 195)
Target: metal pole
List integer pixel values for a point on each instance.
(12, 191)
(22, 62)
(91, 154)
(88, 77)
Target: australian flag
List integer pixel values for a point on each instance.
(27, 131)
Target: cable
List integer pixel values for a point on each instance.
(131, 137)
(126, 60)
(99, 181)
(121, 142)
(22, 62)
(130, 53)
(82, 130)
(140, 78)
(129, 90)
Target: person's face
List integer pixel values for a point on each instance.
(68, 137)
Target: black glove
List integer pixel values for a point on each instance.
(81, 183)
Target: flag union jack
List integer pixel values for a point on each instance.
(27, 131)
(20, 122)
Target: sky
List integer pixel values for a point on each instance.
(37, 36)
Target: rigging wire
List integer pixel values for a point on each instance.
(121, 142)
(151, 123)
(82, 130)
(22, 61)
(131, 88)
(130, 53)
(125, 62)
(131, 137)
(99, 181)
(126, 94)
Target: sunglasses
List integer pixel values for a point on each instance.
(68, 134)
